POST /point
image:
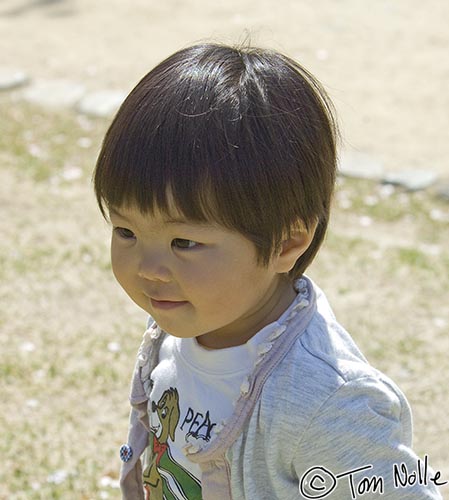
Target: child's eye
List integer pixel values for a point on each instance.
(124, 233)
(183, 244)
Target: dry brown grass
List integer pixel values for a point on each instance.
(68, 334)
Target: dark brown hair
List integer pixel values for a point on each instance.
(244, 137)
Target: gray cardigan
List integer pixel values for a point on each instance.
(315, 421)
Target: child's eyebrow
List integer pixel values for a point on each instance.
(175, 220)
(181, 220)
(186, 222)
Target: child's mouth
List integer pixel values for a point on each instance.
(167, 304)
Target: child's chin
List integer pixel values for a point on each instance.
(177, 331)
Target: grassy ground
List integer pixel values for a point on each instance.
(68, 334)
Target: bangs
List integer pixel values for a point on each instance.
(147, 172)
(186, 162)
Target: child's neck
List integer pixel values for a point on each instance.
(271, 310)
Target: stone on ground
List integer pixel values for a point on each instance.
(360, 166)
(11, 78)
(412, 180)
(54, 93)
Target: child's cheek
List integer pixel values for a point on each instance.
(122, 266)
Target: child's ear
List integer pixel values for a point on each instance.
(293, 247)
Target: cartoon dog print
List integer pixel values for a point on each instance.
(164, 419)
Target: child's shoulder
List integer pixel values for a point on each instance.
(325, 369)
(328, 350)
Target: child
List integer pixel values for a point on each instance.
(217, 175)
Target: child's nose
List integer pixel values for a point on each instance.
(153, 267)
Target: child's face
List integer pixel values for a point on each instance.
(196, 280)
